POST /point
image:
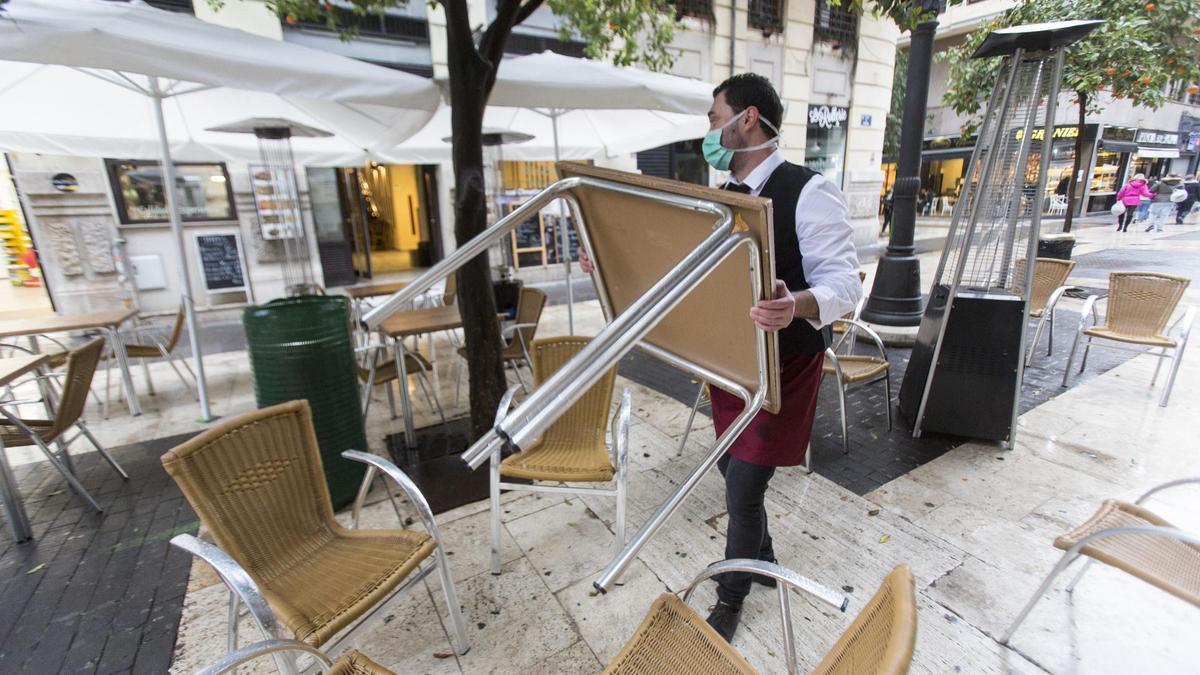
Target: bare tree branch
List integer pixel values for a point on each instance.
(527, 10)
(491, 46)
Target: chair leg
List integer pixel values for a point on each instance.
(103, 452)
(1063, 563)
(808, 459)
(691, 418)
(458, 637)
(887, 390)
(171, 362)
(107, 388)
(842, 407)
(1078, 577)
(520, 378)
(430, 399)
(1050, 337)
(68, 475)
(1070, 358)
(494, 495)
(1166, 395)
(231, 629)
(1037, 336)
(1087, 348)
(619, 522)
(146, 372)
(1158, 366)
(391, 398)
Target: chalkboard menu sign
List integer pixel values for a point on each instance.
(221, 262)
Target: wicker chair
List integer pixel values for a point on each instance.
(1139, 306)
(1049, 284)
(673, 638)
(158, 349)
(257, 484)
(572, 450)
(17, 431)
(1132, 538)
(851, 370)
(375, 369)
(517, 336)
(351, 662)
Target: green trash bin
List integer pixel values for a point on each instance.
(1056, 246)
(301, 348)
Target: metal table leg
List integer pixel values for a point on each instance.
(114, 338)
(18, 522)
(410, 435)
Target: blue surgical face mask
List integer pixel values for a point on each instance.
(720, 156)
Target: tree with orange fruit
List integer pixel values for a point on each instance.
(1140, 50)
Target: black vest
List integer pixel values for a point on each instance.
(783, 189)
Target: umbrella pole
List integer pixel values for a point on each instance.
(564, 241)
(168, 174)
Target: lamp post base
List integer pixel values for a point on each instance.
(900, 277)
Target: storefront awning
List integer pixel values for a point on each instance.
(1156, 153)
(1118, 146)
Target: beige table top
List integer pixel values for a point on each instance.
(59, 323)
(373, 290)
(420, 321)
(13, 367)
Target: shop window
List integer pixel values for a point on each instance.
(700, 9)
(766, 16)
(835, 24)
(371, 24)
(825, 144)
(202, 191)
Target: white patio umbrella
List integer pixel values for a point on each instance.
(563, 88)
(168, 57)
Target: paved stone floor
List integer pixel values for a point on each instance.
(975, 524)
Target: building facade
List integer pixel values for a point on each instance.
(832, 69)
(1119, 140)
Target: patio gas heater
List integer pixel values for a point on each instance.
(964, 377)
(277, 194)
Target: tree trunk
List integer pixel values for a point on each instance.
(469, 81)
(1082, 98)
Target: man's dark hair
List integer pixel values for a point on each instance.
(751, 89)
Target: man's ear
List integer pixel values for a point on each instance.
(750, 119)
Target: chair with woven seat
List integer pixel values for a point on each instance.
(517, 336)
(1139, 306)
(17, 431)
(572, 449)
(1133, 539)
(1049, 284)
(352, 662)
(257, 484)
(852, 370)
(157, 349)
(673, 638)
(376, 368)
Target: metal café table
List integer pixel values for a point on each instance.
(109, 322)
(414, 323)
(18, 521)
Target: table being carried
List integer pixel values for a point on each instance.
(14, 510)
(109, 322)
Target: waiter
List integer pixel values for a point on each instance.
(816, 281)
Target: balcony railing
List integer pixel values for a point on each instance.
(700, 9)
(766, 16)
(835, 24)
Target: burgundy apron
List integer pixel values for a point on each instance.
(775, 440)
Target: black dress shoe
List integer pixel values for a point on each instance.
(724, 618)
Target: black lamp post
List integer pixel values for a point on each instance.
(895, 298)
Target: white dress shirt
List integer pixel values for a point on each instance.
(826, 241)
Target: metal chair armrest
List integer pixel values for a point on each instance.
(1089, 307)
(376, 463)
(250, 652)
(21, 401)
(1169, 484)
(1151, 530)
(775, 571)
(620, 431)
(1185, 324)
(8, 345)
(509, 329)
(506, 403)
(859, 325)
(1055, 297)
(237, 579)
(837, 365)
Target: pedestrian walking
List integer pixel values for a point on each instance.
(887, 211)
(1192, 186)
(1131, 195)
(816, 282)
(1161, 205)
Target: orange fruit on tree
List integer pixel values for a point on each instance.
(291, 20)
(1145, 79)
(1111, 71)
(1193, 89)
(1150, 6)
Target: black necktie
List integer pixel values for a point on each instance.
(737, 187)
